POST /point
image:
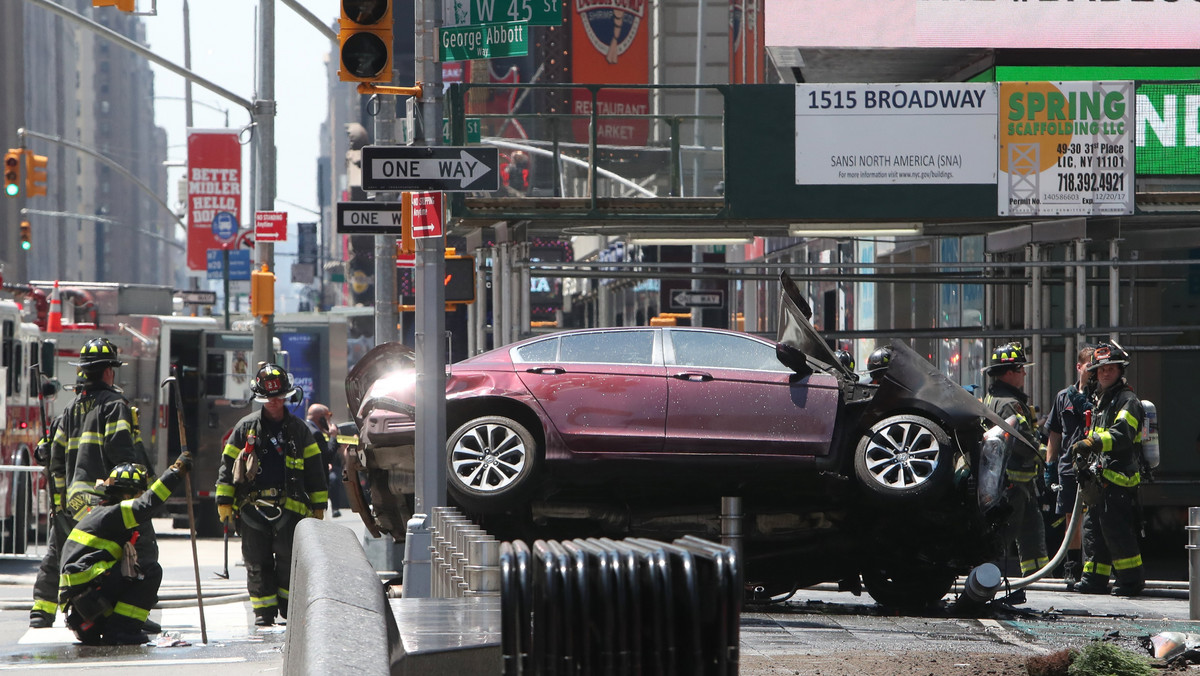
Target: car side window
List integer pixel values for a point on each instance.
(724, 351)
(543, 351)
(609, 347)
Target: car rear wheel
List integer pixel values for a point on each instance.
(907, 586)
(491, 462)
(904, 458)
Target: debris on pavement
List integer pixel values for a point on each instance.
(168, 640)
(1174, 646)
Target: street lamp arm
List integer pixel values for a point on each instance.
(107, 221)
(22, 133)
(134, 47)
(312, 19)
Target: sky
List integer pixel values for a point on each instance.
(223, 48)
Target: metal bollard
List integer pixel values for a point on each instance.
(731, 525)
(1193, 547)
(417, 571)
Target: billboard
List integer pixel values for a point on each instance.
(1066, 148)
(861, 134)
(861, 24)
(214, 184)
(610, 42)
(1168, 128)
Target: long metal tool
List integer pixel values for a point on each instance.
(225, 573)
(187, 486)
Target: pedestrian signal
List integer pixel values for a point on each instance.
(365, 41)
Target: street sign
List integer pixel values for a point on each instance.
(482, 12)
(404, 260)
(224, 226)
(239, 264)
(427, 214)
(698, 299)
(370, 218)
(270, 226)
(490, 41)
(246, 239)
(194, 297)
(474, 130)
(445, 168)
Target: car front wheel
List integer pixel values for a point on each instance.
(904, 458)
(491, 462)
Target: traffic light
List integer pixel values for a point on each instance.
(262, 292)
(26, 243)
(365, 41)
(35, 174)
(12, 172)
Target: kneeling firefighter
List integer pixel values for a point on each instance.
(105, 590)
(271, 477)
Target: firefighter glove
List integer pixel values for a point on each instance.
(183, 464)
(226, 513)
(319, 514)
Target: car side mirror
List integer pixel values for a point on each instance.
(793, 359)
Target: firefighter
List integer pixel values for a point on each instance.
(845, 359)
(878, 362)
(1066, 425)
(107, 590)
(45, 587)
(1006, 396)
(97, 432)
(271, 476)
(1107, 463)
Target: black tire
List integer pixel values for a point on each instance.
(905, 459)
(208, 521)
(491, 463)
(907, 586)
(16, 540)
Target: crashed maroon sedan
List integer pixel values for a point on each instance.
(641, 431)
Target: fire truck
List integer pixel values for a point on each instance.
(20, 427)
(214, 368)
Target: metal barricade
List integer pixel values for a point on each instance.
(26, 528)
(634, 606)
(465, 559)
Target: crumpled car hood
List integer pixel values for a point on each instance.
(910, 380)
(384, 378)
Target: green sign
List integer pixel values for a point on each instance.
(474, 133)
(1167, 139)
(485, 12)
(466, 43)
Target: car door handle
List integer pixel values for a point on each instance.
(546, 370)
(693, 376)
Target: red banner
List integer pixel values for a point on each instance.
(214, 182)
(611, 44)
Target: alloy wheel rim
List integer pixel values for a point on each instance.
(902, 455)
(489, 458)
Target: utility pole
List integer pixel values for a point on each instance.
(263, 114)
(387, 311)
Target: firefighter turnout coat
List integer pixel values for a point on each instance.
(98, 432)
(1025, 525)
(305, 484)
(97, 544)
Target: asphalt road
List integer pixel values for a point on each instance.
(818, 630)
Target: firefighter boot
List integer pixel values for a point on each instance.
(1092, 584)
(1130, 582)
(264, 618)
(119, 630)
(151, 627)
(40, 619)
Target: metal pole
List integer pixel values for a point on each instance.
(264, 166)
(1193, 552)
(1114, 281)
(387, 313)
(1081, 274)
(430, 316)
(1033, 386)
(731, 525)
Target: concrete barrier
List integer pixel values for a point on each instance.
(339, 620)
